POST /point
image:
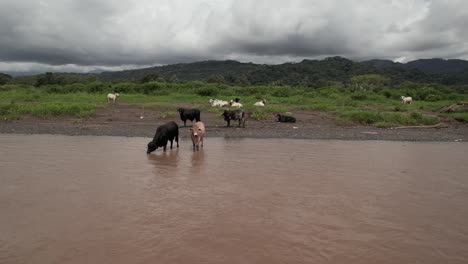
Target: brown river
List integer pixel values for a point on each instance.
(86, 199)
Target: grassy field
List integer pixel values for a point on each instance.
(381, 107)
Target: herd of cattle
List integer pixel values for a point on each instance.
(170, 131)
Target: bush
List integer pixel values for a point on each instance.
(433, 98)
(329, 91)
(345, 101)
(250, 90)
(97, 87)
(359, 96)
(54, 89)
(388, 119)
(75, 88)
(207, 91)
(281, 92)
(363, 117)
(127, 88)
(150, 88)
(461, 117)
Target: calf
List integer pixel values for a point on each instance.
(285, 118)
(164, 133)
(189, 114)
(234, 115)
(197, 132)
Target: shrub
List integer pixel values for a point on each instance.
(127, 88)
(76, 87)
(345, 101)
(150, 88)
(359, 96)
(206, 91)
(281, 92)
(250, 90)
(54, 89)
(97, 87)
(461, 117)
(389, 119)
(433, 98)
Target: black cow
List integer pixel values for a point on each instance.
(286, 119)
(163, 134)
(189, 114)
(234, 115)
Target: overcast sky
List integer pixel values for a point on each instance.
(84, 35)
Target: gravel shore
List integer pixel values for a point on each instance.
(124, 120)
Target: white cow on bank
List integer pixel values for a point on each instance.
(112, 96)
(218, 103)
(406, 100)
(260, 103)
(235, 104)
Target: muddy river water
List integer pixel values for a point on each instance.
(86, 199)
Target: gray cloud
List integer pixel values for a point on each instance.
(81, 35)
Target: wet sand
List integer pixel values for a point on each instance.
(124, 120)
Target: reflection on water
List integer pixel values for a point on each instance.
(197, 161)
(103, 200)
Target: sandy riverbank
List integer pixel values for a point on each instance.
(124, 120)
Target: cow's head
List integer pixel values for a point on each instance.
(278, 116)
(151, 147)
(226, 114)
(194, 132)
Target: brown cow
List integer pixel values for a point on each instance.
(197, 132)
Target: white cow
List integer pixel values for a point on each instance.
(218, 103)
(235, 104)
(260, 103)
(406, 100)
(112, 96)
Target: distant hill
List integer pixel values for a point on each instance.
(183, 71)
(306, 72)
(434, 66)
(442, 71)
(440, 66)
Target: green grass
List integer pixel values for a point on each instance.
(382, 108)
(462, 116)
(385, 119)
(45, 110)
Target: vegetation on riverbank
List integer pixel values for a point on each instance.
(368, 100)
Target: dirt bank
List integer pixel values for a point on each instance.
(124, 120)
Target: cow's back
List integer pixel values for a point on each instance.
(166, 132)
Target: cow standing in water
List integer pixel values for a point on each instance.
(164, 133)
(197, 133)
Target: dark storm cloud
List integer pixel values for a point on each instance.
(88, 34)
